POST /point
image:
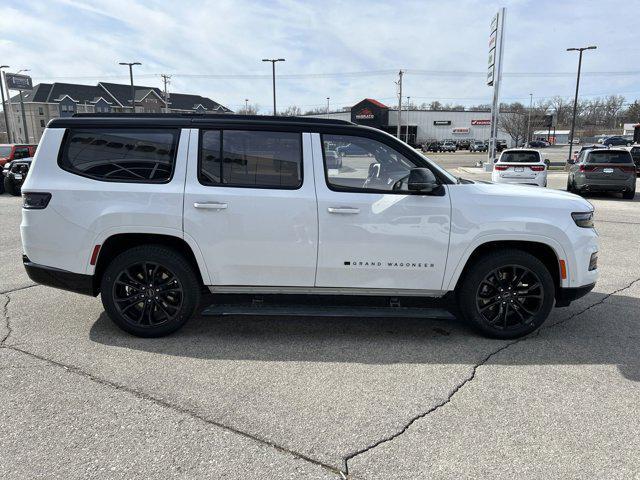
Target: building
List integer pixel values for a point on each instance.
(419, 126)
(51, 100)
(553, 136)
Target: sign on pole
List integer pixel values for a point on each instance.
(18, 82)
(494, 75)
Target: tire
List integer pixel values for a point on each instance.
(630, 195)
(10, 187)
(2, 186)
(504, 315)
(169, 310)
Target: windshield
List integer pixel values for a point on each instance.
(5, 150)
(520, 157)
(607, 156)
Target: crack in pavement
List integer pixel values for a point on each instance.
(472, 375)
(5, 314)
(17, 289)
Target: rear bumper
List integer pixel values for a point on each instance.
(565, 296)
(57, 278)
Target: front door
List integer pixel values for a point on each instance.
(250, 205)
(374, 233)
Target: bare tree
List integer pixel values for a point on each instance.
(293, 111)
(251, 109)
(515, 125)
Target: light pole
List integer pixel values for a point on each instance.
(575, 100)
(4, 106)
(133, 91)
(328, 98)
(246, 106)
(273, 72)
(24, 116)
(529, 119)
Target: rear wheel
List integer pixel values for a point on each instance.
(10, 187)
(150, 291)
(507, 294)
(629, 195)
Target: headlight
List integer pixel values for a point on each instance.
(583, 219)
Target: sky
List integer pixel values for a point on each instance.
(327, 44)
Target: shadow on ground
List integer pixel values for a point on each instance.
(607, 333)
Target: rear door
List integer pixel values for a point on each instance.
(250, 205)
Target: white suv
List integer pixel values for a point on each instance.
(519, 165)
(147, 210)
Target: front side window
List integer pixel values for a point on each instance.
(364, 164)
(121, 154)
(239, 158)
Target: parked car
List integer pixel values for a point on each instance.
(431, 147)
(448, 146)
(351, 149)
(538, 144)
(464, 144)
(635, 154)
(478, 146)
(333, 159)
(603, 170)
(520, 166)
(501, 145)
(15, 151)
(617, 141)
(273, 218)
(14, 174)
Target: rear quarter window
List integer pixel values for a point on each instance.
(120, 154)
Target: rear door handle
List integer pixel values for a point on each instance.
(347, 210)
(211, 205)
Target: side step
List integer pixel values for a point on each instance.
(257, 309)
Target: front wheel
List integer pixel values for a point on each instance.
(150, 290)
(506, 294)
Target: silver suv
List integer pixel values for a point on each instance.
(603, 170)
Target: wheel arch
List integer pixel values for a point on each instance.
(119, 242)
(544, 252)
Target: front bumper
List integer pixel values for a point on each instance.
(57, 278)
(565, 296)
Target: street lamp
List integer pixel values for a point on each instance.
(246, 106)
(273, 70)
(133, 92)
(575, 100)
(328, 98)
(526, 140)
(4, 106)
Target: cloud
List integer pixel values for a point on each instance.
(84, 40)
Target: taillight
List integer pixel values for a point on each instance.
(587, 168)
(537, 168)
(35, 200)
(501, 167)
(628, 169)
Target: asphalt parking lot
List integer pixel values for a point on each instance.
(249, 397)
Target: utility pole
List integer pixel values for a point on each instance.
(133, 91)
(529, 119)
(165, 81)
(399, 83)
(4, 105)
(408, 106)
(273, 76)
(575, 100)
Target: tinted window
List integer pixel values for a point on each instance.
(21, 152)
(127, 155)
(251, 159)
(366, 165)
(607, 156)
(520, 157)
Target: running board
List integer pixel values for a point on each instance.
(327, 311)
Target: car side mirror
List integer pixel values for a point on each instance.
(495, 160)
(547, 161)
(421, 180)
(571, 161)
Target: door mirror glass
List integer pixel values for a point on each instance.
(421, 180)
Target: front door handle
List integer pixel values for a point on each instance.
(347, 210)
(211, 205)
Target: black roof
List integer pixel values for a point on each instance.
(182, 120)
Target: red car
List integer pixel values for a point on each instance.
(15, 151)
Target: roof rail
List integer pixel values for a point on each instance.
(221, 117)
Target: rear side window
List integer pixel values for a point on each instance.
(607, 156)
(520, 157)
(258, 159)
(121, 154)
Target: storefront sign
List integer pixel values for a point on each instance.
(18, 82)
(460, 130)
(442, 122)
(365, 114)
(481, 122)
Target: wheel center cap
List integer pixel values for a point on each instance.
(149, 292)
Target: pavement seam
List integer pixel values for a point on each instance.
(175, 408)
(17, 289)
(472, 376)
(5, 315)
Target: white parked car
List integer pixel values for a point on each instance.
(148, 211)
(519, 165)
